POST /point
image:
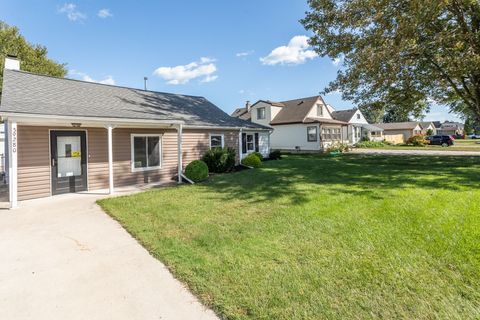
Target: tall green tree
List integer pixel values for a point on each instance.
(33, 58)
(411, 51)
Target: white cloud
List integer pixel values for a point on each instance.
(296, 52)
(85, 77)
(104, 13)
(203, 69)
(72, 13)
(244, 54)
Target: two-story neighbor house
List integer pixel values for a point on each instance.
(306, 124)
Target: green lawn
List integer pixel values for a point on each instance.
(314, 237)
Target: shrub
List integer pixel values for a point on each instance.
(220, 160)
(338, 147)
(372, 144)
(275, 155)
(429, 132)
(259, 155)
(197, 170)
(417, 140)
(252, 161)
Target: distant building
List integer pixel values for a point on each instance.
(451, 128)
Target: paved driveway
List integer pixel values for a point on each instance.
(63, 258)
(416, 152)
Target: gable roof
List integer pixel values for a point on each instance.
(344, 115)
(323, 120)
(425, 124)
(28, 93)
(294, 110)
(398, 125)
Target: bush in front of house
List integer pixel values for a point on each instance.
(220, 160)
(197, 170)
(372, 144)
(417, 140)
(275, 155)
(339, 147)
(259, 155)
(252, 160)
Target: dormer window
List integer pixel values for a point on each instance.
(261, 113)
(319, 110)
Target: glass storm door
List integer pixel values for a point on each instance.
(68, 161)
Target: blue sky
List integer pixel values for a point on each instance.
(227, 51)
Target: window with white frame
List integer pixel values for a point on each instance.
(261, 113)
(216, 141)
(250, 142)
(312, 134)
(146, 151)
(319, 110)
(331, 134)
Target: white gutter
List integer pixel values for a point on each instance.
(25, 117)
(224, 128)
(53, 118)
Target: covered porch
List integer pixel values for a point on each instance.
(53, 155)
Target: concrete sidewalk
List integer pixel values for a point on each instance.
(407, 152)
(64, 258)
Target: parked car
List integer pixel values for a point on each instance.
(475, 136)
(444, 141)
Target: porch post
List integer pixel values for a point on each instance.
(110, 158)
(179, 147)
(12, 162)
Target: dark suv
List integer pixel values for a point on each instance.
(444, 141)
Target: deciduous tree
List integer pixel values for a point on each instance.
(410, 52)
(33, 58)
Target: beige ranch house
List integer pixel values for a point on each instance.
(70, 136)
(400, 132)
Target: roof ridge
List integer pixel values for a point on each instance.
(99, 84)
(304, 98)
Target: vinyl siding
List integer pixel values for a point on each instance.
(33, 166)
(195, 143)
(34, 179)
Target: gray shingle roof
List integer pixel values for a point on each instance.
(241, 113)
(29, 93)
(294, 110)
(397, 125)
(344, 115)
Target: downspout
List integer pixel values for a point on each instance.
(268, 149)
(240, 151)
(179, 147)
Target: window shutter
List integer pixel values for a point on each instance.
(244, 143)
(256, 142)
